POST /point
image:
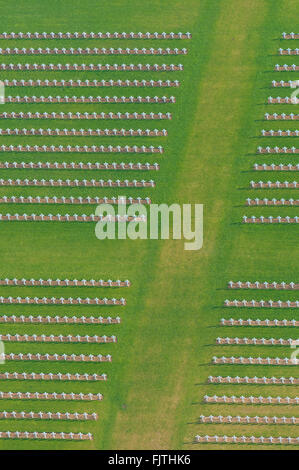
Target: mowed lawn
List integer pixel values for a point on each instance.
(158, 377)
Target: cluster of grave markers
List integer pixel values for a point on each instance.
(278, 361)
(275, 287)
(62, 300)
(70, 200)
(86, 97)
(54, 357)
(89, 99)
(81, 166)
(99, 35)
(50, 396)
(91, 67)
(282, 150)
(48, 415)
(282, 116)
(81, 149)
(257, 361)
(57, 338)
(257, 322)
(77, 67)
(59, 320)
(247, 439)
(85, 115)
(69, 436)
(88, 83)
(85, 132)
(57, 357)
(254, 380)
(64, 282)
(49, 376)
(78, 183)
(70, 218)
(88, 51)
(249, 419)
(251, 400)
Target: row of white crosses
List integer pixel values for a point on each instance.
(290, 35)
(251, 400)
(51, 376)
(254, 380)
(85, 115)
(256, 341)
(275, 167)
(258, 322)
(56, 415)
(277, 150)
(263, 285)
(279, 132)
(284, 100)
(82, 165)
(277, 361)
(249, 419)
(276, 184)
(57, 338)
(56, 357)
(247, 439)
(78, 183)
(272, 202)
(270, 220)
(70, 218)
(288, 51)
(59, 320)
(283, 116)
(89, 99)
(92, 67)
(45, 435)
(70, 200)
(286, 67)
(93, 83)
(50, 396)
(283, 84)
(64, 282)
(61, 300)
(99, 35)
(261, 303)
(86, 132)
(82, 149)
(93, 51)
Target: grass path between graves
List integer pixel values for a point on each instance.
(157, 380)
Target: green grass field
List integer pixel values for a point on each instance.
(154, 394)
